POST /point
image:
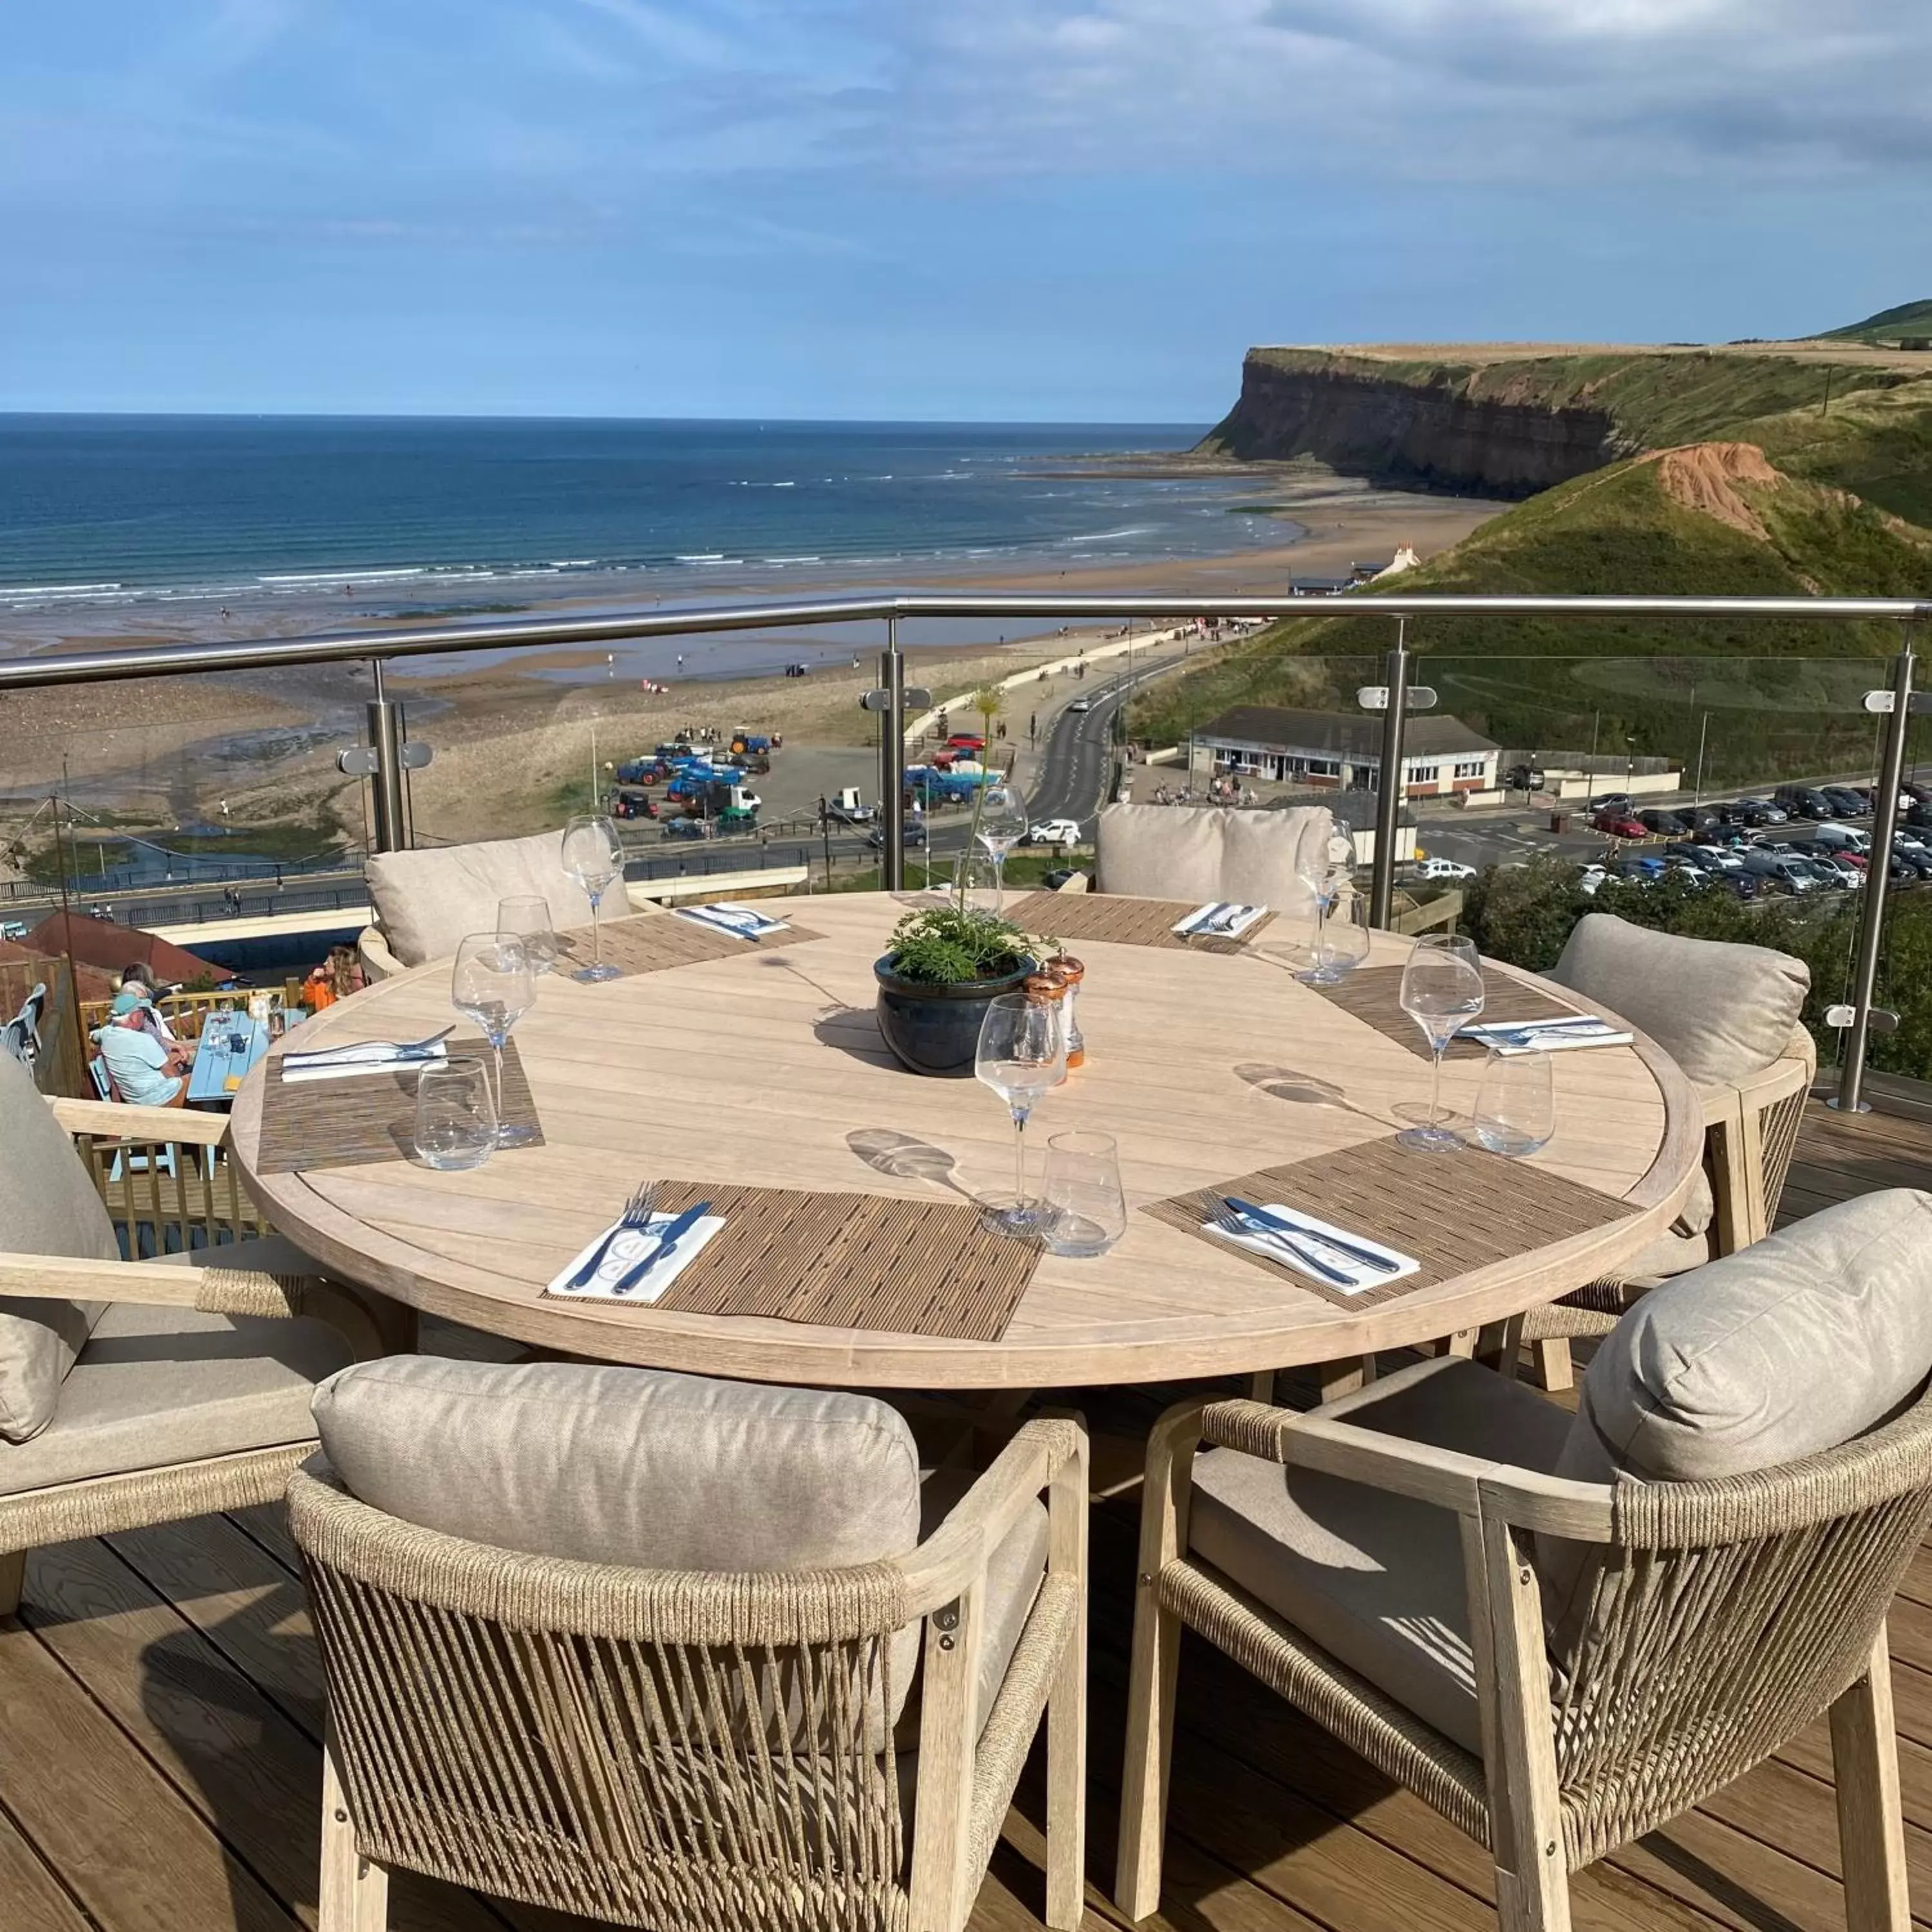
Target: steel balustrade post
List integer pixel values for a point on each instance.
(1389, 786)
(892, 761)
(1878, 869)
(390, 831)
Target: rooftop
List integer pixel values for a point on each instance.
(1358, 735)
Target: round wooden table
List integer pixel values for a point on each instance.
(766, 1069)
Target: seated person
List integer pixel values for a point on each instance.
(146, 1072)
(139, 978)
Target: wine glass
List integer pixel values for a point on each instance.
(530, 919)
(1022, 1052)
(492, 984)
(456, 1118)
(1001, 825)
(593, 855)
(1515, 1104)
(1441, 990)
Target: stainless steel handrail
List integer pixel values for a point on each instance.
(377, 647)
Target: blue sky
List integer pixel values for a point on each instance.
(1056, 209)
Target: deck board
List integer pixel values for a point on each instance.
(160, 1710)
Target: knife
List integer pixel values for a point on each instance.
(1198, 923)
(664, 1242)
(1284, 1247)
(1247, 1211)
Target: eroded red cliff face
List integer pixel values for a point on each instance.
(1425, 429)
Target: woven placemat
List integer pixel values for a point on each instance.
(848, 1260)
(314, 1123)
(1453, 1212)
(654, 942)
(1372, 993)
(1121, 922)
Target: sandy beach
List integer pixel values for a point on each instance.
(513, 736)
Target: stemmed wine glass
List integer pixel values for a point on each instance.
(492, 983)
(530, 919)
(593, 855)
(1441, 991)
(1002, 825)
(1022, 1053)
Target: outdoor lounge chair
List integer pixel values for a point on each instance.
(1563, 1632)
(1204, 853)
(1729, 1015)
(134, 1393)
(644, 1660)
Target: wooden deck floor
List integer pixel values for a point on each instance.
(160, 1711)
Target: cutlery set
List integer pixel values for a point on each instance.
(1316, 1251)
(1224, 920)
(639, 1213)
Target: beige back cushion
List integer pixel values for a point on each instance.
(48, 1206)
(1722, 1011)
(1799, 1343)
(1200, 852)
(428, 901)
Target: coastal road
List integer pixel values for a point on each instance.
(1077, 760)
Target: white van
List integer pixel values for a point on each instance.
(1768, 862)
(1842, 838)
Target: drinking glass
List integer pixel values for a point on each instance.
(1515, 1104)
(1341, 932)
(1022, 1052)
(1441, 990)
(456, 1117)
(1002, 825)
(492, 984)
(972, 872)
(593, 855)
(528, 919)
(1086, 1206)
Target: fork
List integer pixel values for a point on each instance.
(1230, 1224)
(635, 1218)
(396, 1046)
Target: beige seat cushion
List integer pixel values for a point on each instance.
(428, 901)
(155, 1387)
(48, 1206)
(1799, 1342)
(1200, 852)
(1722, 1011)
(1377, 1580)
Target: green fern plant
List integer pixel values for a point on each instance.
(950, 945)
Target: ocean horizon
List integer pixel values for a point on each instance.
(402, 515)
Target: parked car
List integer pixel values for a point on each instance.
(1057, 877)
(1443, 868)
(1664, 824)
(1054, 831)
(1836, 838)
(1591, 876)
(1716, 858)
(1768, 863)
(1850, 803)
(1760, 812)
(1620, 825)
(966, 741)
(1612, 801)
(1805, 802)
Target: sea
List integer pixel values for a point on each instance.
(113, 521)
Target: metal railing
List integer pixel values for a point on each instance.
(387, 754)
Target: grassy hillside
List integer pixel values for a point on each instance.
(1888, 326)
(1876, 443)
(1657, 398)
(1784, 699)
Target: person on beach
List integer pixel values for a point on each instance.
(146, 1072)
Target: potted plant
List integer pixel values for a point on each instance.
(947, 964)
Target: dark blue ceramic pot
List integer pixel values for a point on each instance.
(936, 1029)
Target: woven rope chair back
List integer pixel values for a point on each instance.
(1724, 1617)
(681, 1751)
(1778, 1129)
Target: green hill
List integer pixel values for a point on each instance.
(1712, 518)
(1890, 324)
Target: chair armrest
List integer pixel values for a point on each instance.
(212, 1291)
(1558, 1322)
(372, 951)
(957, 1551)
(116, 1120)
(1327, 1440)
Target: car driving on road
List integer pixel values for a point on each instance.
(1054, 831)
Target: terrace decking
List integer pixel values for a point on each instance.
(160, 1715)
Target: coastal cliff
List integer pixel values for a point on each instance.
(1504, 425)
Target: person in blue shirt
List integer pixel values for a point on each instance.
(146, 1071)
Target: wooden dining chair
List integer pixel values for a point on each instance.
(669, 1652)
(1562, 1633)
(134, 1393)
